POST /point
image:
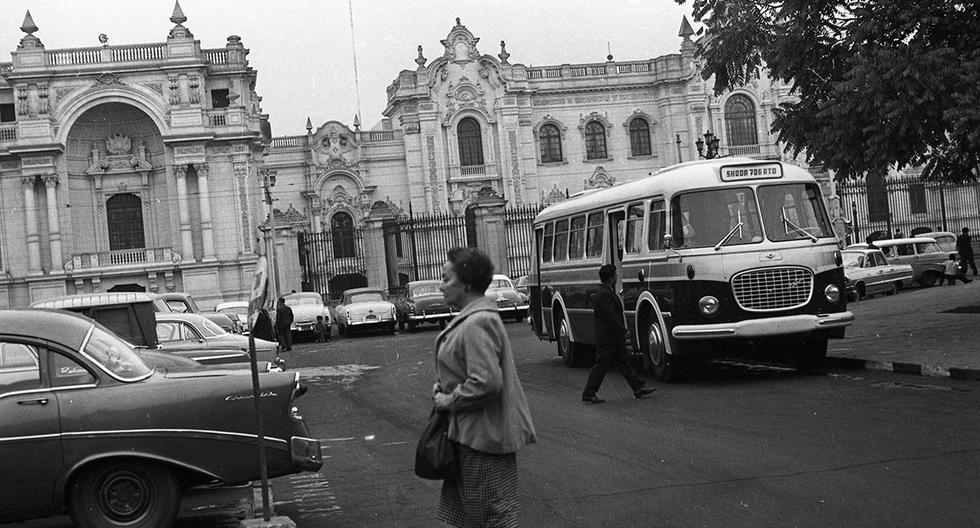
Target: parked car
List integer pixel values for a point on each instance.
(522, 284)
(183, 303)
(510, 302)
(923, 254)
(945, 239)
(237, 310)
(196, 337)
(92, 430)
(869, 273)
(128, 314)
(423, 303)
(365, 309)
(306, 306)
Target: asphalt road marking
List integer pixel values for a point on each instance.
(312, 496)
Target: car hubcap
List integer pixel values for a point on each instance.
(124, 496)
(563, 340)
(655, 344)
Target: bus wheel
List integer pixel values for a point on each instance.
(566, 347)
(811, 355)
(656, 360)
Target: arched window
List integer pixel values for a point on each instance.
(595, 141)
(639, 137)
(740, 121)
(470, 142)
(549, 138)
(124, 213)
(342, 232)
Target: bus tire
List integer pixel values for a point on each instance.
(656, 360)
(567, 349)
(811, 355)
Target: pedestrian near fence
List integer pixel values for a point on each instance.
(284, 320)
(610, 336)
(964, 246)
(478, 385)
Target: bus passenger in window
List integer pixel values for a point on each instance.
(610, 336)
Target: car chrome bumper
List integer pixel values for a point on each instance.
(770, 326)
(305, 453)
(430, 317)
(522, 307)
(373, 322)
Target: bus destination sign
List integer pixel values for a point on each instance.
(751, 172)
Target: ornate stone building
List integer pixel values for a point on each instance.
(468, 121)
(129, 167)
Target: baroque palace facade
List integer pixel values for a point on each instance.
(141, 167)
(127, 168)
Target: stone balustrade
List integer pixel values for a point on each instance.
(8, 132)
(123, 258)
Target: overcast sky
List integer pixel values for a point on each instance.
(302, 50)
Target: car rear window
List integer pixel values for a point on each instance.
(115, 356)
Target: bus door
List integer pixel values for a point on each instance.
(534, 284)
(616, 225)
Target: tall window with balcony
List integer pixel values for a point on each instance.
(342, 232)
(743, 137)
(549, 139)
(470, 143)
(595, 141)
(640, 137)
(124, 213)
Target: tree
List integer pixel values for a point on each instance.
(881, 84)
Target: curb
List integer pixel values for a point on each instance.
(956, 373)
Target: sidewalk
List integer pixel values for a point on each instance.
(925, 331)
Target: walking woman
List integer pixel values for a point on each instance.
(478, 386)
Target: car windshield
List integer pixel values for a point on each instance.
(425, 289)
(303, 299)
(852, 260)
(114, 355)
(793, 211)
(366, 297)
(719, 217)
(212, 329)
(497, 284)
(240, 310)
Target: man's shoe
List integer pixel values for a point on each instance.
(643, 392)
(592, 399)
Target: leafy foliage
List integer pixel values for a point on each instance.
(880, 84)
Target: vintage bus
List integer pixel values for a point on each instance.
(714, 257)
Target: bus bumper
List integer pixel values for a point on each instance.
(771, 326)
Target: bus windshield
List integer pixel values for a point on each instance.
(792, 211)
(719, 217)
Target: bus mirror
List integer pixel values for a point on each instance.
(668, 242)
(641, 276)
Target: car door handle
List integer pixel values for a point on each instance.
(38, 401)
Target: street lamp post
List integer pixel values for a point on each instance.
(711, 142)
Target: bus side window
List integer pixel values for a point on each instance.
(561, 240)
(576, 238)
(593, 242)
(634, 228)
(656, 229)
(549, 238)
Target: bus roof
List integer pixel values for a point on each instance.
(668, 181)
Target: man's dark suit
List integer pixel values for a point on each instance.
(610, 337)
(284, 320)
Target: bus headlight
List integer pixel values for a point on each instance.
(832, 293)
(709, 305)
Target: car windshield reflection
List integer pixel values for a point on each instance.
(115, 356)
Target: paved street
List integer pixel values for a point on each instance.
(739, 445)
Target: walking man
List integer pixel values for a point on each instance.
(610, 336)
(964, 246)
(284, 319)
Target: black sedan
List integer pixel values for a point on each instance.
(423, 303)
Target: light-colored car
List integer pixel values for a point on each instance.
(510, 302)
(196, 337)
(90, 429)
(181, 302)
(871, 274)
(927, 259)
(522, 284)
(306, 306)
(237, 310)
(365, 309)
(945, 239)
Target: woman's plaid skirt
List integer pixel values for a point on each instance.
(484, 494)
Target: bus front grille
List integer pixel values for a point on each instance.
(770, 289)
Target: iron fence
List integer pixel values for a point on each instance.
(332, 262)
(416, 246)
(520, 238)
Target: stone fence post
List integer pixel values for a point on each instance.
(375, 256)
(491, 231)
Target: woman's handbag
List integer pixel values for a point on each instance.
(435, 456)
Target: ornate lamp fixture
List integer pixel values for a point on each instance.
(712, 142)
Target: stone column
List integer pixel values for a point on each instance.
(207, 233)
(30, 225)
(375, 259)
(491, 232)
(54, 223)
(186, 242)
